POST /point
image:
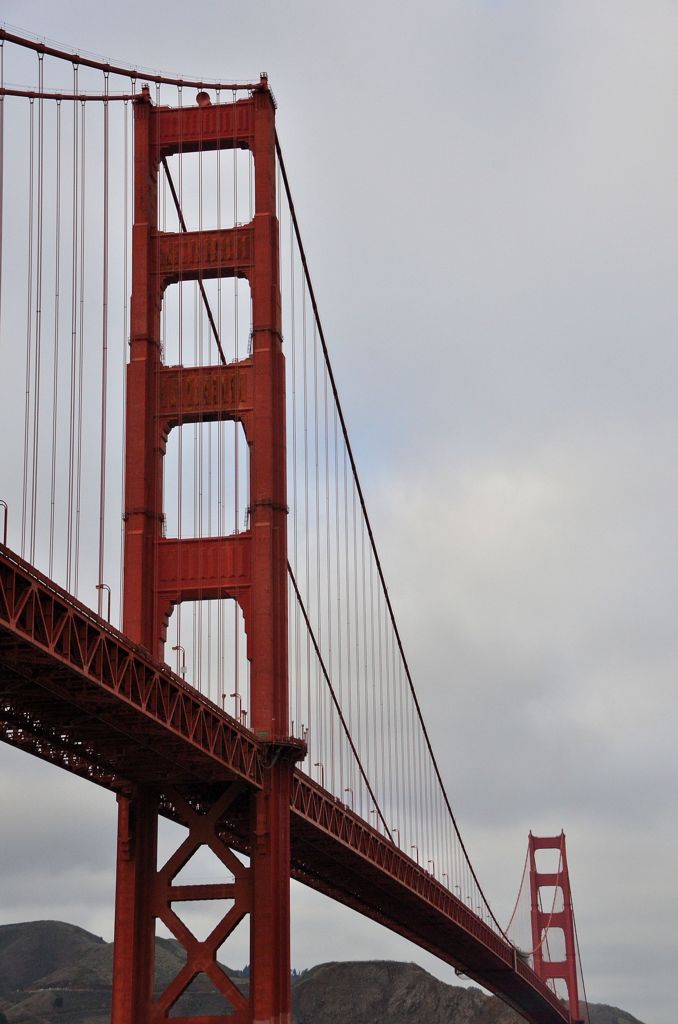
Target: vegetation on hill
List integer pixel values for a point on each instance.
(56, 973)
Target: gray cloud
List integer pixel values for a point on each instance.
(487, 197)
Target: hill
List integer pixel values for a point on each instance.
(29, 951)
(56, 973)
(387, 992)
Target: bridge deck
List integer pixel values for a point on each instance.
(74, 691)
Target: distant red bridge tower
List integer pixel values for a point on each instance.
(546, 919)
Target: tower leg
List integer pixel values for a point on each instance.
(270, 925)
(134, 941)
(262, 890)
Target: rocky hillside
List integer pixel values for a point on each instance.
(55, 973)
(385, 992)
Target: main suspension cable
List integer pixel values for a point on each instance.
(581, 969)
(41, 49)
(363, 506)
(337, 706)
(126, 72)
(75, 97)
(297, 592)
(182, 222)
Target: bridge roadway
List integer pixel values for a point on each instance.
(76, 692)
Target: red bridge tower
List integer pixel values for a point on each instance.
(545, 919)
(250, 567)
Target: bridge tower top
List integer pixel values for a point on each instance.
(250, 567)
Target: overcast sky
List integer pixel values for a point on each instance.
(486, 192)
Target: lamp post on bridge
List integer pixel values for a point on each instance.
(237, 696)
(100, 588)
(3, 505)
(181, 668)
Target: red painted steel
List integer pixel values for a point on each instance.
(73, 683)
(138, 730)
(201, 957)
(545, 919)
(101, 704)
(338, 853)
(202, 393)
(250, 568)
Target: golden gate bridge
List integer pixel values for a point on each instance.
(193, 612)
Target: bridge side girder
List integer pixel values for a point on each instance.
(332, 849)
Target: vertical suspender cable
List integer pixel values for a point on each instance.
(338, 605)
(363, 615)
(29, 330)
(81, 347)
(74, 336)
(347, 577)
(180, 443)
(384, 725)
(197, 483)
(236, 443)
(37, 363)
(55, 382)
(361, 498)
(328, 567)
(221, 526)
(307, 556)
(104, 362)
(356, 618)
(200, 436)
(295, 494)
(376, 732)
(250, 348)
(337, 706)
(316, 464)
(125, 337)
(2, 160)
